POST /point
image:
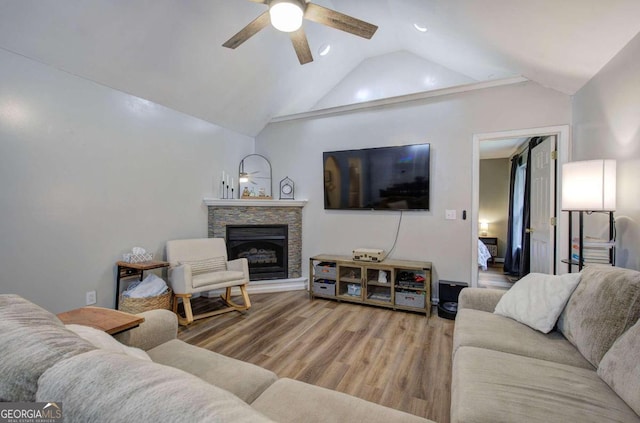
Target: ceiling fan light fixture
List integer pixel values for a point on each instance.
(286, 15)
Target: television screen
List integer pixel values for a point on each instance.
(384, 178)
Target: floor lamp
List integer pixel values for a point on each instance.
(589, 186)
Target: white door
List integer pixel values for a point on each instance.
(541, 230)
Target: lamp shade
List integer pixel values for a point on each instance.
(589, 185)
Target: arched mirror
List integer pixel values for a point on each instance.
(254, 176)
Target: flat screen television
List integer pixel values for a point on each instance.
(384, 178)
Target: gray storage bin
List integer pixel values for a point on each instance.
(410, 299)
(325, 270)
(324, 288)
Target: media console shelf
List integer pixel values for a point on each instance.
(396, 284)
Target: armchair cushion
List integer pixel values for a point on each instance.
(208, 265)
(220, 279)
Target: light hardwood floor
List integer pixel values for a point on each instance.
(494, 277)
(397, 359)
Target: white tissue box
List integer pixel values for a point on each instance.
(137, 258)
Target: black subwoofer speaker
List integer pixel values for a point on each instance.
(448, 292)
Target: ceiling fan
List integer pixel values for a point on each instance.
(287, 16)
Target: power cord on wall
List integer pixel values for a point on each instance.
(396, 239)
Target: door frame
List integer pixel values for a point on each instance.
(563, 134)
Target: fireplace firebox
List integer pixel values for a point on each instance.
(264, 246)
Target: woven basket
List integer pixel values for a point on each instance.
(138, 305)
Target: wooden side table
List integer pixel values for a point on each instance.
(105, 319)
(135, 269)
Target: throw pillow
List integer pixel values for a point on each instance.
(604, 306)
(208, 265)
(537, 299)
(31, 340)
(619, 367)
(104, 341)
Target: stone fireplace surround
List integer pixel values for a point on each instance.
(263, 212)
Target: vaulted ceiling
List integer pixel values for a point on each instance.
(170, 51)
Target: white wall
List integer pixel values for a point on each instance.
(87, 172)
(295, 149)
(607, 125)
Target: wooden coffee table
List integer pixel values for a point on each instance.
(105, 319)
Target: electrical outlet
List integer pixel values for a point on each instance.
(91, 297)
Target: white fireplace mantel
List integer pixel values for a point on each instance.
(217, 202)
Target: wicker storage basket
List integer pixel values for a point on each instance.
(138, 305)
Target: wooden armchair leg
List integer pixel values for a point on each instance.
(186, 302)
(245, 296)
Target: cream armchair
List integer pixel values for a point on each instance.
(199, 265)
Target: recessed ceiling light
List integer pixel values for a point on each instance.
(430, 81)
(420, 27)
(324, 49)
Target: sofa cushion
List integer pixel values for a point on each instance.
(604, 305)
(620, 367)
(493, 386)
(105, 386)
(537, 299)
(245, 380)
(484, 299)
(32, 341)
(488, 330)
(291, 401)
(103, 340)
(159, 326)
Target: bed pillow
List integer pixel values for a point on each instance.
(537, 299)
(208, 265)
(104, 341)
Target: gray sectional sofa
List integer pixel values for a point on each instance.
(42, 360)
(585, 370)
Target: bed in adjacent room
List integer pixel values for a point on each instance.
(483, 255)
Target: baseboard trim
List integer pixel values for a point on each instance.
(264, 287)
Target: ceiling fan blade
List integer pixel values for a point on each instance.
(248, 31)
(301, 45)
(340, 21)
(260, 1)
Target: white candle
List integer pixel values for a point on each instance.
(232, 182)
(223, 176)
(227, 179)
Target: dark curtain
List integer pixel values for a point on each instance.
(525, 262)
(510, 261)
